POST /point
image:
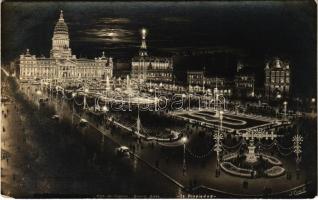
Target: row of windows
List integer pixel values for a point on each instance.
(152, 65)
(279, 73)
(51, 74)
(244, 85)
(196, 77)
(245, 78)
(273, 87)
(28, 62)
(160, 74)
(36, 70)
(282, 80)
(37, 74)
(273, 76)
(44, 64)
(226, 91)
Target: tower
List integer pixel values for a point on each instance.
(239, 66)
(143, 47)
(61, 40)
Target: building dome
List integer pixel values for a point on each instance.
(61, 41)
(61, 27)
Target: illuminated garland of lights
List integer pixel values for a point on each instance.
(266, 147)
(232, 147)
(231, 152)
(283, 154)
(199, 156)
(280, 146)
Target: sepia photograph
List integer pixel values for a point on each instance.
(159, 99)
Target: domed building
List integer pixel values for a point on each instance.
(61, 41)
(62, 65)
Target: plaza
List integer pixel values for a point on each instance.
(160, 142)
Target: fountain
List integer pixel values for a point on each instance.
(250, 164)
(107, 83)
(128, 87)
(218, 102)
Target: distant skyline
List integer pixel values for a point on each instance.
(257, 30)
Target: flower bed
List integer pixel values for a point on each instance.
(234, 170)
(272, 160)
(274, 171)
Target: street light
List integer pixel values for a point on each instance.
(156, 99)
(221, 119)
(144, 32)
(285, 109)
(73, 95)
(189, 101)
(313, 101)
(38, 92)
(184, 141)
(85, 93)
(104, 108)
(217, 147)
(183, 97)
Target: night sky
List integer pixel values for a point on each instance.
(252, 30)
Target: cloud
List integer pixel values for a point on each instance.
(111, 35)
(108, 30)
(109, 20)
(176, 19)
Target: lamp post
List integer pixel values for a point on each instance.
(221, 120)
(297, 140)
(207, 98)
(85, 94)
(184, 166)
(183, 97)
(189, 102)
(73, 96)
(313, 101)
(285, 110)
(105, 109)
(217, 147)
(38, 94)
(156, 88)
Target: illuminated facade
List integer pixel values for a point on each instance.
(277, 79)
(151, 69)
(198, 81)
(62, 65)
(244, 81)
